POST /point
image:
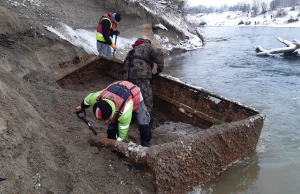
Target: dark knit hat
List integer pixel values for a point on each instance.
(102, 110)
(117, 17)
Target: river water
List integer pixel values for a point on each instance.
(269, 84)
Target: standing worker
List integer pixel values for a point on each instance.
(107, 27)
(138, 67)
(115, 105)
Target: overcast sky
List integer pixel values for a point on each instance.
(216, 2)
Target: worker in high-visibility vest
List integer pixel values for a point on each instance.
(115, 105)
(107, 27)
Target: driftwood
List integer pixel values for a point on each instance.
(289, 50)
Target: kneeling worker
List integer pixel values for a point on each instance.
(115, 105)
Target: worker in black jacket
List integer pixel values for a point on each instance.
(107, 27)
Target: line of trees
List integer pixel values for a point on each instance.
(256, 7)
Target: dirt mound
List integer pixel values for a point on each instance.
(44, 147)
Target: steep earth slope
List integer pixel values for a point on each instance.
(43, 146)
(139, 18)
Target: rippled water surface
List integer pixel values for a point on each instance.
(269, 84)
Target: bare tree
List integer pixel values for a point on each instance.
(255, 7)
(275, 4)
(264, 7)
(292, 3)
(224, 8)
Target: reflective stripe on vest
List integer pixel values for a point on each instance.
(99, 35)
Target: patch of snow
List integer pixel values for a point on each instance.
(32, 2)
(170, 14)
(15, 3)
(161, 27)
(161, 39)
(199, 190)
(136, 149)
(232, 18)
(86, 39)
(37, 181)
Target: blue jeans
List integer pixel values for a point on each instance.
(104, 49)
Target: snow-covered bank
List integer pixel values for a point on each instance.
(170, 15)
(140, 18)
(86, 39)
(234, 18)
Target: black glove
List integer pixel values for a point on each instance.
(117, 32)
(159, 70)
(78, 110)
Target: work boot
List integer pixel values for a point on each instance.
(146, 143)
(152, 125)
(146, 135)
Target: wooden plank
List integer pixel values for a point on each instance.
(188, 109)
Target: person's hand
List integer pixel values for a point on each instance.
(119, 139)
(159, 70)
(78, 110)
(117, 32)
(113, 46)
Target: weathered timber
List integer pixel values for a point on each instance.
(226, 131)
(289, 50)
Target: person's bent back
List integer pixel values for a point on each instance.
(138, 67)
(139, 61)
(115, 105)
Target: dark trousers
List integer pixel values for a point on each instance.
(143, 119)
(112, 131)
(145, 133)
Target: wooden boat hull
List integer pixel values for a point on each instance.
(228, 131)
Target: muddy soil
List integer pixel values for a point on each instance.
(43, 145)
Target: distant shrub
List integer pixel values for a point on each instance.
(274, 4)
(292, 20)
(202, 23)
(241, 22)
(264, 7)
(299, 14)
(281, 13)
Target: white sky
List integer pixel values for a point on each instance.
(216, 2)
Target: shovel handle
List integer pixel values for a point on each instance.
(83, 117)
(92, 129)
(116, 36)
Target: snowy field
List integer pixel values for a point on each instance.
(233, 18)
